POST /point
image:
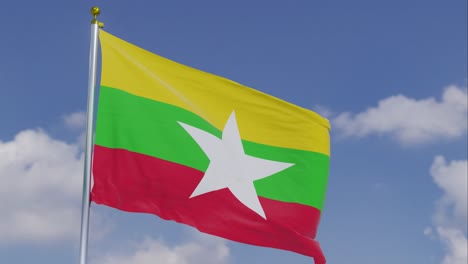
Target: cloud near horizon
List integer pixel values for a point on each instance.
(41, 185)
(199, 249)
(408, 120)
(450, 216)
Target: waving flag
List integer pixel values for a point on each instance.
(208, 152)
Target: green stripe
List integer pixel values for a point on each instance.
(150, 127)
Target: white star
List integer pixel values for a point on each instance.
(230, 167)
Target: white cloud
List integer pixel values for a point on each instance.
(323, 111)
(409, 120)
(199, 250)
(452, 178)
(450, 216)
(41, 184)
(75, 120)
(428, 231)
(456, 245)
(41, 187)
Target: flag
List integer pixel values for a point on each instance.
(208, 152)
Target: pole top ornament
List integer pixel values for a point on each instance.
(96, 11)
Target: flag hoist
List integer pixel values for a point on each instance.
(93, 51)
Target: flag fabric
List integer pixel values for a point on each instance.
(208, 152)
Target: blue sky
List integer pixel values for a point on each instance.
(390, 75)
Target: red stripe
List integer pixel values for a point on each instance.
(139, 183)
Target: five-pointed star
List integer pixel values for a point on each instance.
(230, 167)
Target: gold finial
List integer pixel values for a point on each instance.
(95, 11)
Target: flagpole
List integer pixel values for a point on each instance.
(93, 50)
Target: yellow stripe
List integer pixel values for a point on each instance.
(261, 118)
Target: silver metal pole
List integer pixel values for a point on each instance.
(93, 50)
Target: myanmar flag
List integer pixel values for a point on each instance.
(208, 152)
